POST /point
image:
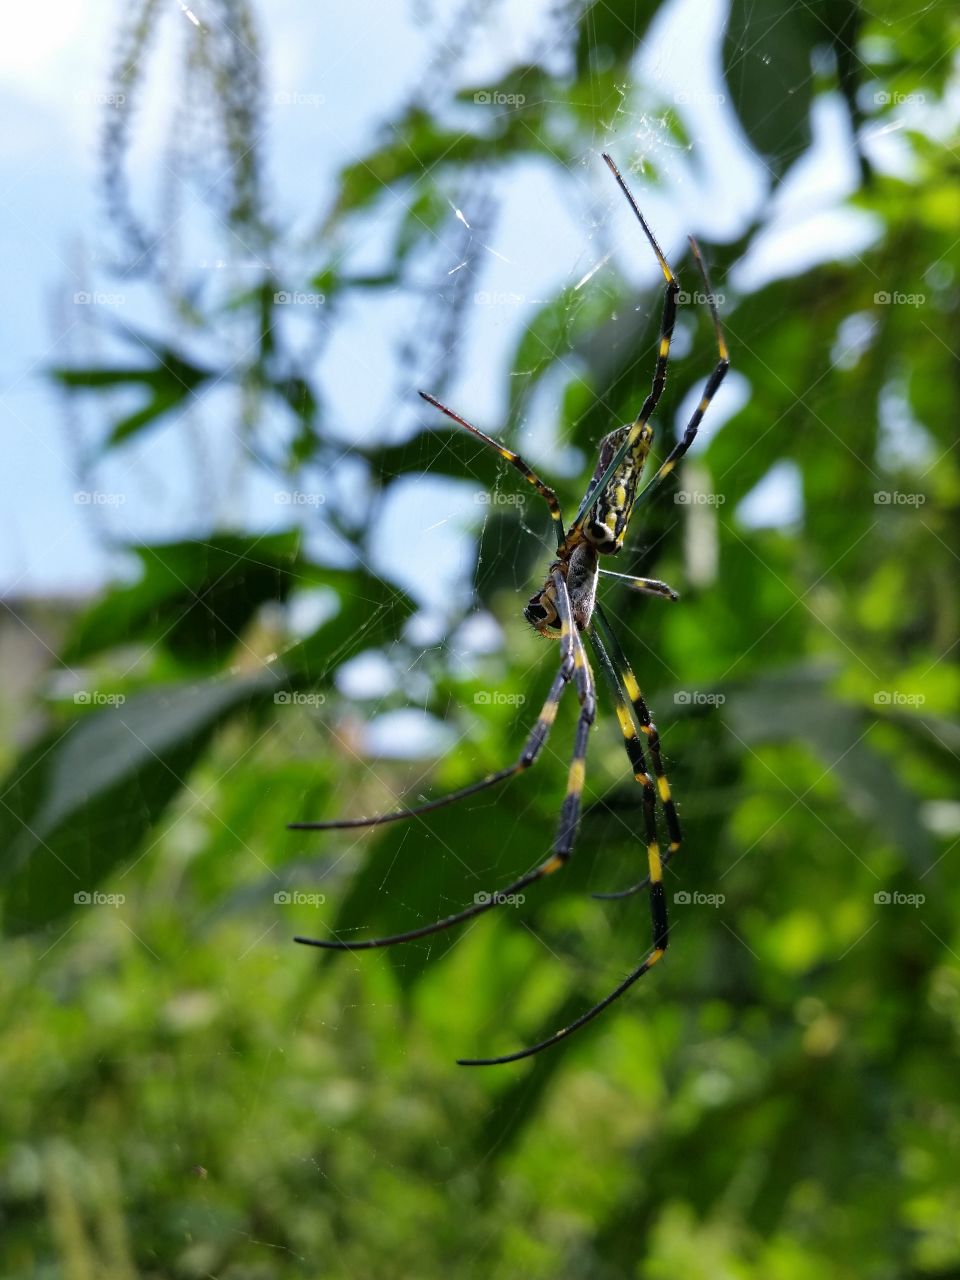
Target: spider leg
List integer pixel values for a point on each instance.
(655, 955)
(663, 353)
(634, 749)
(666, 331)
(658, 901)
(527, 757)
(649, 586)
(709, 391)
(545, 492)
(573, 666)
(625, 678)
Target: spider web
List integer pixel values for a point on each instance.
(527, 236)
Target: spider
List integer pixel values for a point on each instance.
(566, 608)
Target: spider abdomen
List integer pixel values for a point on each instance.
(607, 523)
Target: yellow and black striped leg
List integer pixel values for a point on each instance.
(709, 391)
(658, 903)
(648, 586)
(669, 303)
(545, 492)
(626, 680)
(583, 680)
(663, 354)
(572, 666)
(634, 750)
(527, 757)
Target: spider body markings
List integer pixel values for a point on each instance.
(601, 532)
(566, 608)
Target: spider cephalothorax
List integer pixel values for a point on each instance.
(567, 609)
(579, 570)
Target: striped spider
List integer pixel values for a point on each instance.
(566, 608)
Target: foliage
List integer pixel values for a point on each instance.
(187, 1094)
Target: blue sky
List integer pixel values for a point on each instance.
(550, 232)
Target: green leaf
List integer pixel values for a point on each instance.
(769, 65)
(80, 803)
(170, 381)
(194, 597)
(798, 705)
(372, 613)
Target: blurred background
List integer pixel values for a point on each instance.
(248, 578)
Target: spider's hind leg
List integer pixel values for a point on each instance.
(632, 710)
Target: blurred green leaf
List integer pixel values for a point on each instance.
(193, 597)
(82, 801)
(171, 381)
